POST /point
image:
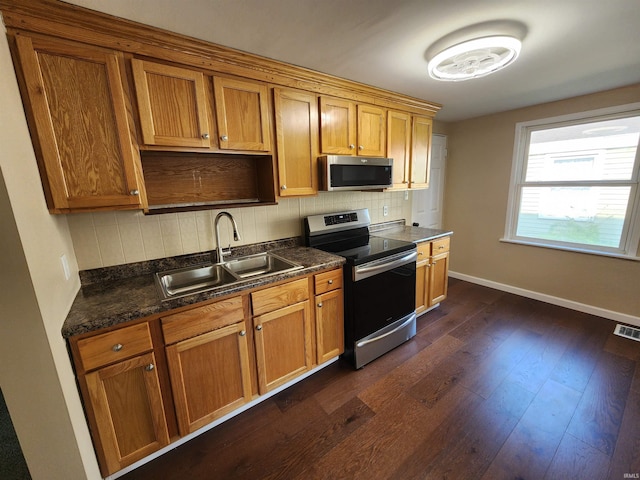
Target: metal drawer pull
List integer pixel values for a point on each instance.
(320, 305)
(149, 367)
(242, 333)
(330, 282)
(205, 136)
(224, 138)
(259, 327)
(117, 347)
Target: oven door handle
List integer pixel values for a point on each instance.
(364, 271)
(376, 339)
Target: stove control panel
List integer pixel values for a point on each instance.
(339, 218)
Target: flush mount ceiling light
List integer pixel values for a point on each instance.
(474, 58)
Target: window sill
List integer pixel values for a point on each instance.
(571, 249)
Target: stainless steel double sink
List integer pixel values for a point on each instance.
(202, 278)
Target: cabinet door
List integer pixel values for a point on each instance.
(329, 325)
(438, 278)
(79, 108)
(372, 129)
(422, 277)
(420, 152)
(209, 376)
(242, 114)
(172, 105)
(337, 126)
(128, 410)
(399, 147)
(296, 114)
(283, 345)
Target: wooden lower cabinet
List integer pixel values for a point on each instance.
(432, 273)
(210, 376)
(283, 345)
(129, 412)
(202, 363)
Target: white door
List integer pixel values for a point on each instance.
(426, 205)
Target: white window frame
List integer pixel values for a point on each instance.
(630, 237)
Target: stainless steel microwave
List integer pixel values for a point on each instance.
(341, 172)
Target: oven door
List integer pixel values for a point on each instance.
(380, 293)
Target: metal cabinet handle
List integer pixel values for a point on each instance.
(205, 136)
(149, 367)
(242, 333)
(330, 282)
(320, 305)
(259, 327)
(134, 192)
(224, 138)
(352, 146)
(283, 187)
(361, 147)
(117, 347)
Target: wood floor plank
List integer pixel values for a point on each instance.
(626, 457)
(598, 417)
(530, 448)
(576, 460)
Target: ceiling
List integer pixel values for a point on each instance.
(570, 47)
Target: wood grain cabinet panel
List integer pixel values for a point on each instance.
(399, 147)
(297, 131)
(432, 273)
(337, 126)
(129, 411)
(78, 107)
(372, 129)
(283, 341)
(110, 347)
(329, 325)
(172, 105)
(242, 114)
(210, 376)
(420, 152)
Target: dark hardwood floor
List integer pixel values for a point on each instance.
(493, 386)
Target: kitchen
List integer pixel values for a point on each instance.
(38, 279)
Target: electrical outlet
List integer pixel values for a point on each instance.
(385, 210)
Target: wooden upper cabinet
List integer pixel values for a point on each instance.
(78, 107)
(347, 128)
(337, 126)
(242, 114)
(172, 105)
(372, 130)
(420, 152)
(296, 114)
(399, 147)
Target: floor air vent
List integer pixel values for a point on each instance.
(628, 332)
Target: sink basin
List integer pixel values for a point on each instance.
(202, 278)
(260, 264)
(184, 281)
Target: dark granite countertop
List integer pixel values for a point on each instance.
(398, 231)
(113, 295)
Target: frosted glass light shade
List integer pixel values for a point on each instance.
(474, 58)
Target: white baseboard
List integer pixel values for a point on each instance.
(561, 302)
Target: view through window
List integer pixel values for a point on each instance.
(575, 183)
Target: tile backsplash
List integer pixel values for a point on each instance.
(104, 239)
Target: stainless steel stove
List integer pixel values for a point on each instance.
(379, 282)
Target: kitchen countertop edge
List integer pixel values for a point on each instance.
(117, 300)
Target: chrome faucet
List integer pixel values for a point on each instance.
(220, 253)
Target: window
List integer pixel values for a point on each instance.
(575, 183)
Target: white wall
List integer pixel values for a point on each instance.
(36, 376)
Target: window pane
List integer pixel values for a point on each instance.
(587, 215)
(603, 150)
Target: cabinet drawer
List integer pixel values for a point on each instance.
(190, 323)
(440, 245)
(424, 251)
(114, 346)
(327, 281)
(272, 298)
